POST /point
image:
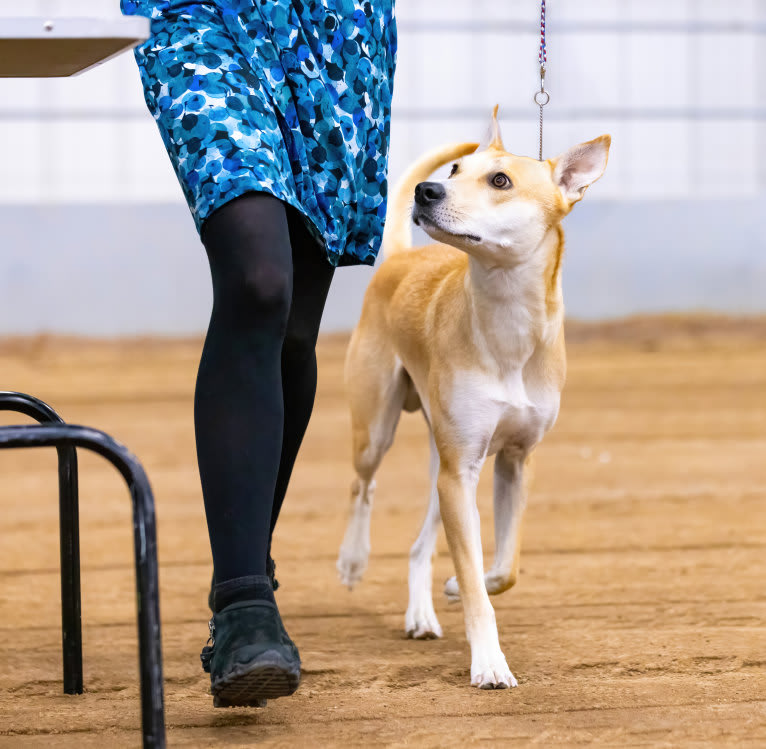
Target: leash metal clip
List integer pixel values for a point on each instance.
(542, 97)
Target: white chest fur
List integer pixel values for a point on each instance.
(501, 413)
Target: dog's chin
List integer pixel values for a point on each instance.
(440, 234)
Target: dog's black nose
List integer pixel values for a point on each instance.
(427, 193)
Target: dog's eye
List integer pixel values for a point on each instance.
(501, 181)
(453, 171)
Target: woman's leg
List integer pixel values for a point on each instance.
(238, 406)
(312, 275)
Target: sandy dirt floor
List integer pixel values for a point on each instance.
(639, 618)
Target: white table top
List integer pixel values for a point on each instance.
(38, 47)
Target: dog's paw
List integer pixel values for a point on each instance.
(351, 565)
(420, 623)
(452, 590)
(492, 673)
(494, 582)
(498, 582)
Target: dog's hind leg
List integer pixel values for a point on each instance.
(377, 396)
(420, 622)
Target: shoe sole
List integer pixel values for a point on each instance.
(251, 684)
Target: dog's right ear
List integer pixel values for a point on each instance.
(493, 139)
(579, 167)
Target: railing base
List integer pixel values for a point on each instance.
(66, 438)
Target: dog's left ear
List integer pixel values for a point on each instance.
(580, 167)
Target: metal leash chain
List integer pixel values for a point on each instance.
(542, 97)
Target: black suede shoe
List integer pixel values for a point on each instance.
(271, 567)
(251, 657)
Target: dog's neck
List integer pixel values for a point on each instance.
(515, 309)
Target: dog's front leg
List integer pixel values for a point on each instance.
(457, 498)
(511, 478)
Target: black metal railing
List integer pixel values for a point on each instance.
(53, 432)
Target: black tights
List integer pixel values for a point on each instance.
(257, 378)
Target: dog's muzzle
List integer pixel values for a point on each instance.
(429, 193)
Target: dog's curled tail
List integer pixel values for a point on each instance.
(397, 233)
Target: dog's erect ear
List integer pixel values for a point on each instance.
(493, 139)
(581, 166)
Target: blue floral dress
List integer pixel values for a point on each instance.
(290, 97)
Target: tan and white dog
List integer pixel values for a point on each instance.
(469, 330)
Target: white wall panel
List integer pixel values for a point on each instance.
(83, 162)
(725, 163)
(727, 70)
(59, 7)
(657, 70)
(447, 81)
(587, 10)
(22, 164)
(148, 175)
(654, 167)
(584, 70)
(472, 10)
(725, 10)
